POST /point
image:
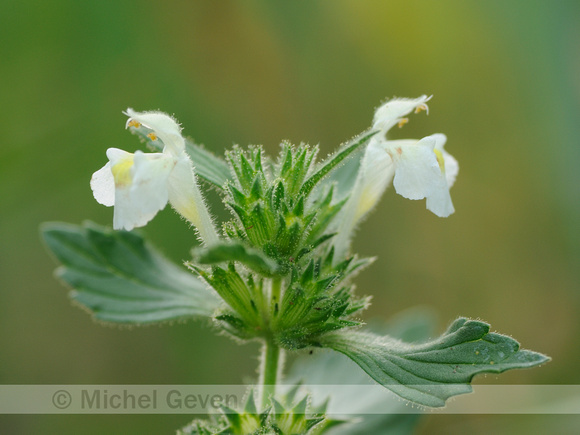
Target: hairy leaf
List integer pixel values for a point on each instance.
(332, 162)
(119, 278)
(207, 165)
(226, 252)
(430, 373)
(378, 411)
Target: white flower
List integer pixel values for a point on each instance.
(423, 169)
(418, 168)
(139, 185)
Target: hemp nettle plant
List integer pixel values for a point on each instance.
(280, 271)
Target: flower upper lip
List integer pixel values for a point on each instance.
(164, 126)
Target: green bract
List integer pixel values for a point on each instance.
(292, 414)
(277, 271)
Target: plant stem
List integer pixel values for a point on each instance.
(272, 355)
(269, 368)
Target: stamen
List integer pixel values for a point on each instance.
(422, 107)
(133, 123)
(402, 122)
(152, 136)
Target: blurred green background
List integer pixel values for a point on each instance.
(505, 76)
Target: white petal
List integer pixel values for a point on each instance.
(163, 125)
(439, 201)
(115, 155)
(416, 168)
(391, 113)
(103, 181)
(440, 140)
(138, 202)
(103, 186)
(451, 168)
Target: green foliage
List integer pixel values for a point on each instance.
(120, 278)
(276, 272)
(316, 301)
(379, 413)
(332, 163)
(430, 373)
(249, 257)
(286, 416)
(279, 244)
(272, 203)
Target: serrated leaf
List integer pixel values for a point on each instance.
(377, 412)
(206, 164)
(120, 278)
(430, 373)
(227, 252)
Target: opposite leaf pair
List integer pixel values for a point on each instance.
(120, 278)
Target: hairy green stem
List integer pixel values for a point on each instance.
(269, 371)
(272, 354)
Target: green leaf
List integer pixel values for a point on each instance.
(430, 373)
(207, 165)
(226, 252)
(120, 278)
(378, 412)
(332, 162)
(345, 175)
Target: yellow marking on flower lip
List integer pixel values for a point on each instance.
(422, 107)
(440, 160)
(133, 123)
(402, 122)
(152, 136)
(122, 172)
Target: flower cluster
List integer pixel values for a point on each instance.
(289, 269)
(141, 184)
